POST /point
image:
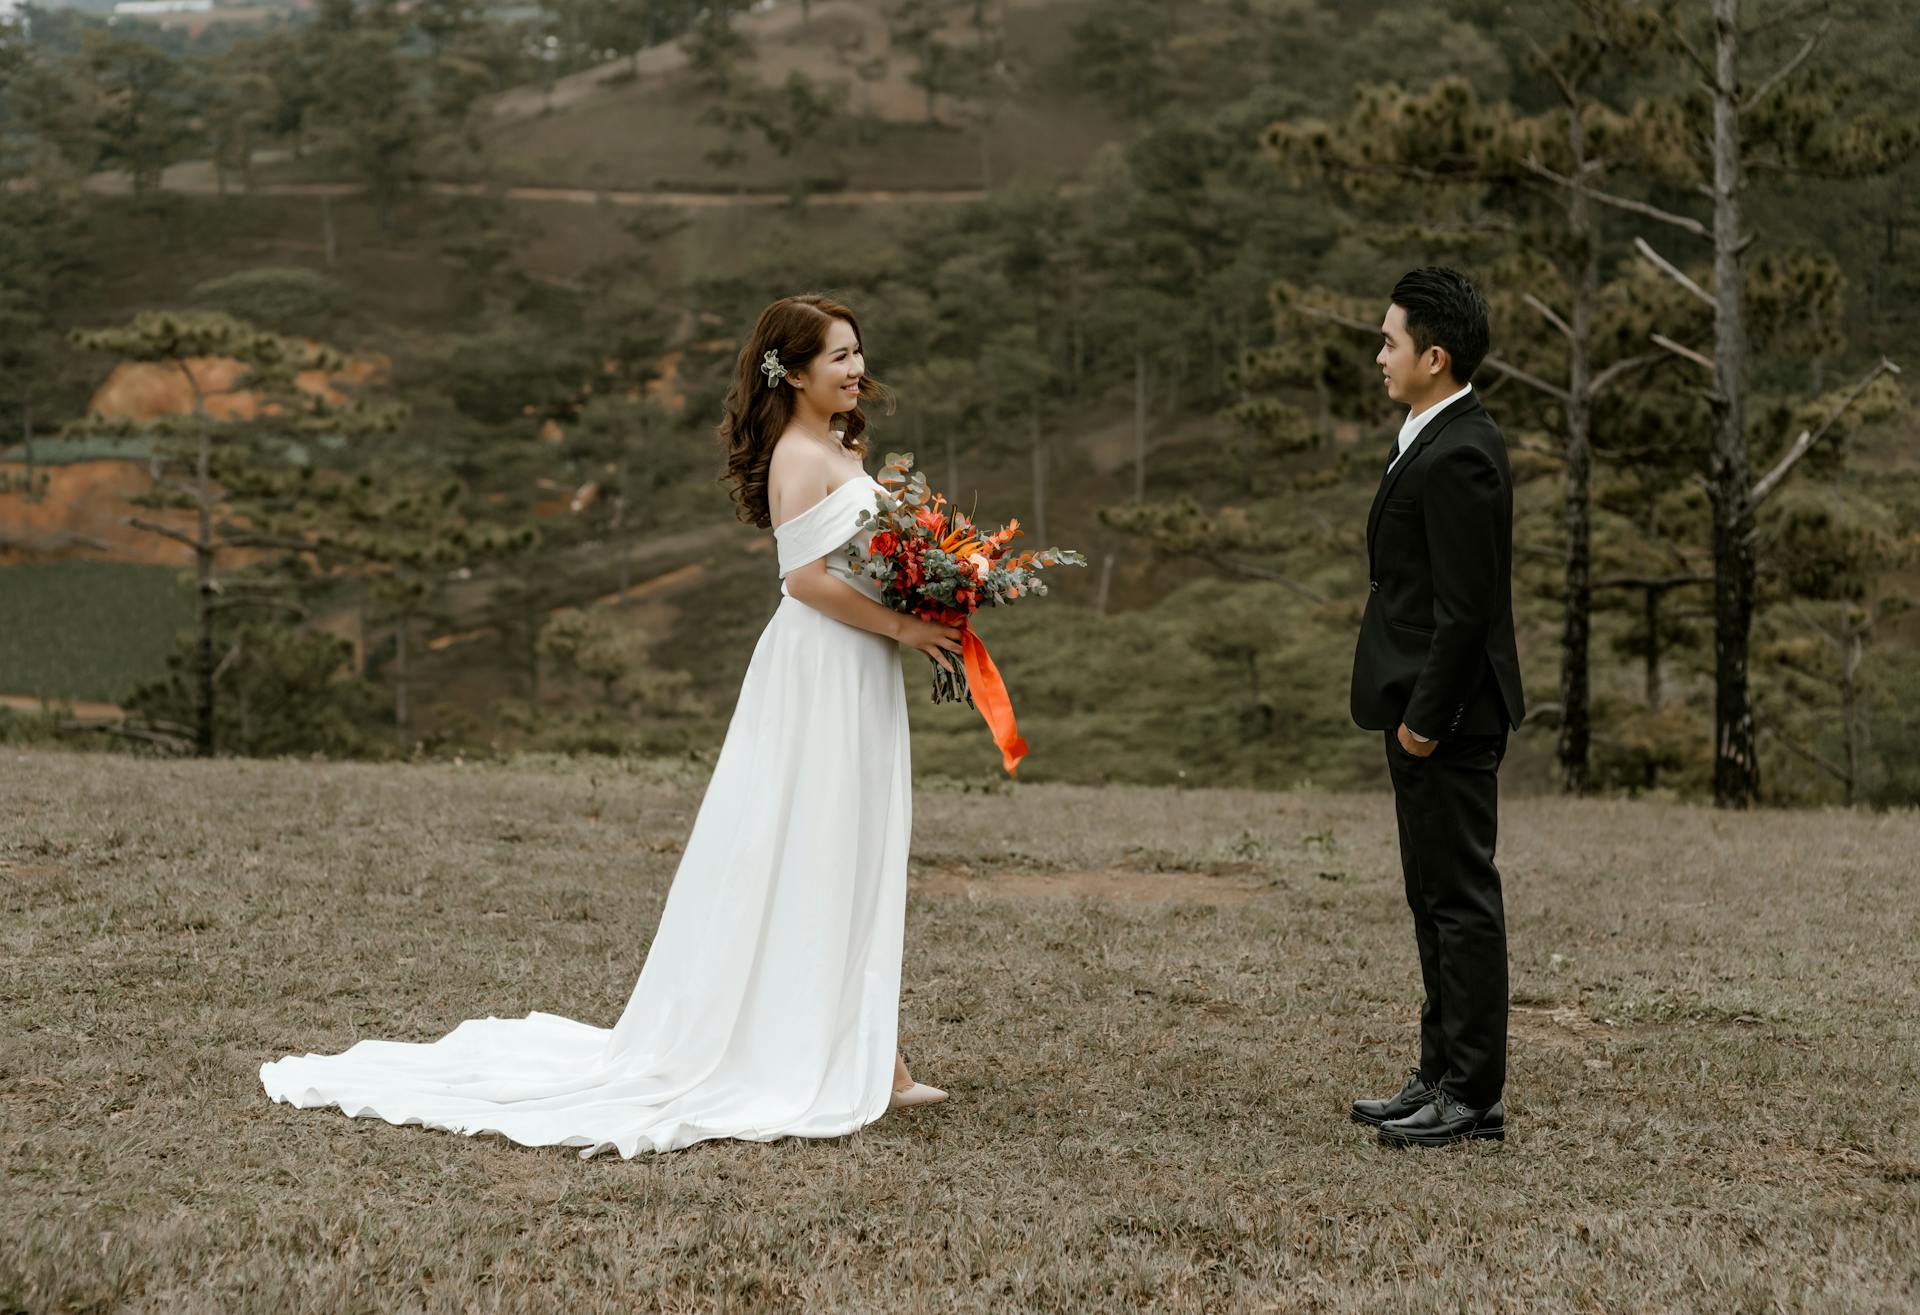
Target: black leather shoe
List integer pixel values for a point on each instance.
(1416, 1093)
(1445, 1121)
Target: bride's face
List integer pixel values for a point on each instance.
(831, 380)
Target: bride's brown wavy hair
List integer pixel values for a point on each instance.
(756, 413)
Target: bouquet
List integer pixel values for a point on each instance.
(935, 563)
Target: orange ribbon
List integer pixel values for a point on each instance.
(990, 696)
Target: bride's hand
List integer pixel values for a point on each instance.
(931, 638)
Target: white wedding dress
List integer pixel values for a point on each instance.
(769, 1002)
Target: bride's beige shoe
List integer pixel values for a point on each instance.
(917, 1094)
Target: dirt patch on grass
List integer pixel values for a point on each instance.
(85, 709)
(1564, 1025)
(1105, 883)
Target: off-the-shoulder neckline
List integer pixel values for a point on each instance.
(831, 494)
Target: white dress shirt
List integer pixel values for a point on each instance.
(1410, 428)
(1409, 431)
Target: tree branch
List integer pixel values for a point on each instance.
(1551, 317)
(1686, 353)
(1672, 271)
(1816, 759)
(220, 668)
(1553, 71)
(180, 486)
(1706, 70)
(1808, 437)
(173, 743)
(1518, 375)
(1662, 582)
(1412, 173)
(256, 600)
(1787, 16)
(1813, 622)
(1335, 317)
(167, 532)
(240, 537)
(1529, 445)
(1252, 572)
(1831, 682)
(1631, 206)
(1599, 382)
(1787, 69)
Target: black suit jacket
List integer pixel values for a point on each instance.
(1436, 645)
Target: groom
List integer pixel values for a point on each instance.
(1436, 671)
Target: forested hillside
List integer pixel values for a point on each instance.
(1120, 261)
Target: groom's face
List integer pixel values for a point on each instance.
(1409, 373)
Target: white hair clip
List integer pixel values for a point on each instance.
(770, 366)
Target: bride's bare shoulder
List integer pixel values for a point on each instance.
(798, 476)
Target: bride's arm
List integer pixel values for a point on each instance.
(791, 484)
(815, 586)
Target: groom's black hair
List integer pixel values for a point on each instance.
(1445, 310)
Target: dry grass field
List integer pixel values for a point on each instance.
(1151, 1008)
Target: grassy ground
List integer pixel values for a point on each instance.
(1151, 1008)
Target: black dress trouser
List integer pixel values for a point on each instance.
(1447, 805)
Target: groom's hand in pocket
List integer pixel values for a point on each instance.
(1418, 748)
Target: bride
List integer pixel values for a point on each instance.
(769, 1002)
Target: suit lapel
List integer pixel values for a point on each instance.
(1431, 431)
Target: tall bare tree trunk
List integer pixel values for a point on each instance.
(246, 716)
(1576, 730)
(400, 709)
(26, 447)
(1850, 706)
(203, 591)
(1650, 617)
(622, 548)
(1077, 337)
(1736, 768)
(1140, 425)
(533, 620)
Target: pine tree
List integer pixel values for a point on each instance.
(1833, 585)
(1456, 166)
(367, 98)
(199, 458)
(1788, 123)
(142, 106)
(404, 533)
